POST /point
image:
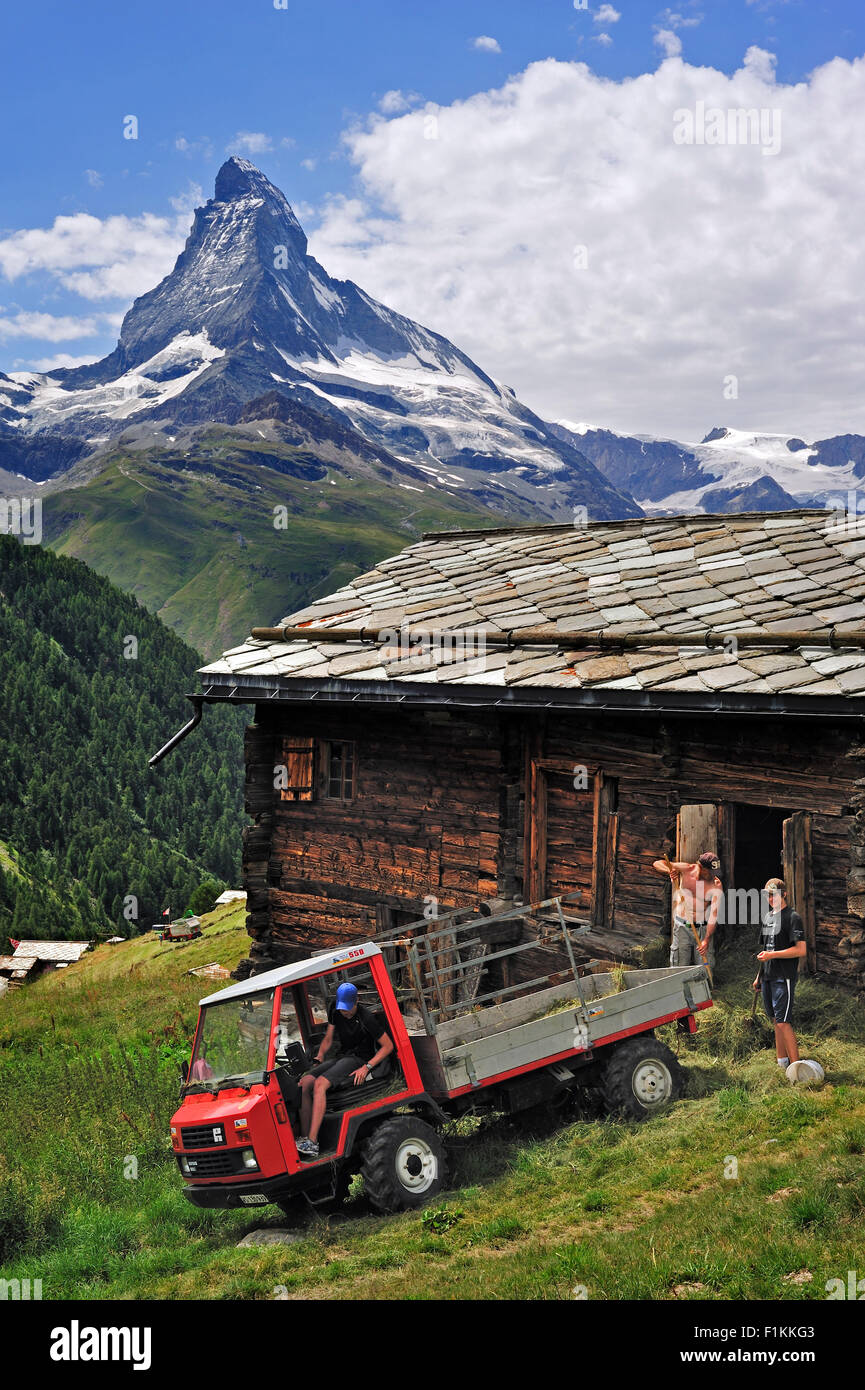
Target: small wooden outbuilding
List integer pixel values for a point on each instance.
(33, 958)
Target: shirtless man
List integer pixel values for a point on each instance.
(696, 899)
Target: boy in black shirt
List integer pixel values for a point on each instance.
(782, 943)
(363, 1044)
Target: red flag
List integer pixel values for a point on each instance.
(166, 912)
(14, 944)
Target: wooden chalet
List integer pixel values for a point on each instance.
(33, 958)
(608, 718)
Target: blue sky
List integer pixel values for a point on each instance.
(283, 85)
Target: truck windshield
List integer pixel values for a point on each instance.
(232, 1043)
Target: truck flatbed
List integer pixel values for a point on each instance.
(554, 1024)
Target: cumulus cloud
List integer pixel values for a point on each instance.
(607, 15)
(603, 39)
(760, 63)
(394, 102)
(487, 44)
(696, 261)
(99, 258)
(54, 328)
(672, 19)
(93, 177)
(60, 359)
(669, 41)
(202, 147)
(250, 141)
(188, 201)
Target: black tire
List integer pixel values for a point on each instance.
(641, 1078)
(403, 1164)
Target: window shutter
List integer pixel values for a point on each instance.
(298, 756)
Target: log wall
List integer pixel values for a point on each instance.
(474, 806)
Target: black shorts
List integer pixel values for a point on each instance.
(778, 1000)
(337, 1070)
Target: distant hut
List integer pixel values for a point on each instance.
(33, 958)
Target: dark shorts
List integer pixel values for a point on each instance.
(778, 1000)
(338, 1070)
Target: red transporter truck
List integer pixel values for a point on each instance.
(455, 1050)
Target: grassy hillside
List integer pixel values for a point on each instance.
(207, 558)
(89, 1070)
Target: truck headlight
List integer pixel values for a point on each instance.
(249, 1160)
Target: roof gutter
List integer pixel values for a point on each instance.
(198, 702)
(498, 698)
(433, 695)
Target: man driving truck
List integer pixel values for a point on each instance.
(363, 1044)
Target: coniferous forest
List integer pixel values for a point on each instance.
(91, 684)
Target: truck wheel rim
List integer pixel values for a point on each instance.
(416, 1165)
(652, 1082)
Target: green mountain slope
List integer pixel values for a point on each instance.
(186, 524)
(91, 684)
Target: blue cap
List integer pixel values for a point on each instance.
(346, 998)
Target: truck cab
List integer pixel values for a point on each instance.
(235, 1133)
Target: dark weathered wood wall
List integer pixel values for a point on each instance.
(466, 807)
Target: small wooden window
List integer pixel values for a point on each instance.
(298, 757)
(339, 771)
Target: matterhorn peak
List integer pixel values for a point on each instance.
(238, 178)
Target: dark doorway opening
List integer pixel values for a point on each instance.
(759, 850)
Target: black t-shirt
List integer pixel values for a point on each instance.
(358, 1035)
(778, 931)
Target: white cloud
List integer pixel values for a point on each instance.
(671, 19)
(250, 141)
(60, 359)
(607, 15)
(394, 102)
(188, 201)
(603, 39)
(701, 261)
(669, 41)
(487, 44)
(201, 147)
(54, 328)
(308, 164)
(111, 258)
(93, 177)
(760, 63)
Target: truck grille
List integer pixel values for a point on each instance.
(203, 1136)
(215, 1165)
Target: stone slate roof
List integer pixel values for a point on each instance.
(797, 570)
(49, 950)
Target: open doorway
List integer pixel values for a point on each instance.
(759, 850)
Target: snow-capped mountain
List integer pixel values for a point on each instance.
(246, 311)
(729, 470)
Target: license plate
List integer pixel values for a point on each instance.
(254, 1199)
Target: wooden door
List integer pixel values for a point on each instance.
(799, 879)
(605, 843)
(696, 831)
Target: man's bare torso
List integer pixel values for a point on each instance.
(693, 896)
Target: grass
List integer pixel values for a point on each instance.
(742, 1184)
